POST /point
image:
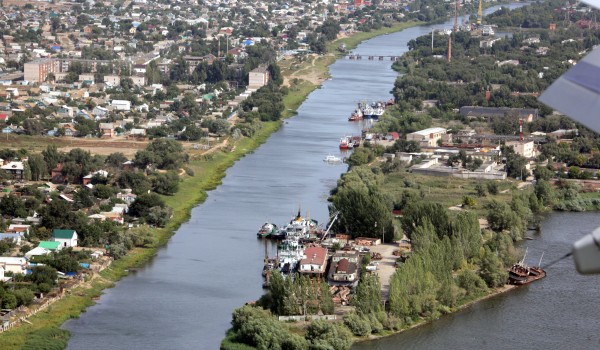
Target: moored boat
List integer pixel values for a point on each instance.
(266, 230)
(346, 143)
(356, 115)
(331, 159)
(520, 273)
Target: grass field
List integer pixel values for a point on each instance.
(448, 191)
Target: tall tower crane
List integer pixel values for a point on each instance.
(480, 13)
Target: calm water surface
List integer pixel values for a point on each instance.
(183, 299)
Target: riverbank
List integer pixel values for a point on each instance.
(496, 292)
(208, 172)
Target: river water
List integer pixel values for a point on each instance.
(184, 297)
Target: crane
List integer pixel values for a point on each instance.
(335, 216)
(480, 13)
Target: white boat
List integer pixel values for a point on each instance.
(299, 227)
(332, 159)
(289, 254)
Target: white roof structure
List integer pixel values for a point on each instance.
(428, 131)
(13, 166)
(12, 260)
(37, 251)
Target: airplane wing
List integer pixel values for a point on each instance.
(577, 92)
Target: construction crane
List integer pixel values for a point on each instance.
(335, 216)
(480, 13)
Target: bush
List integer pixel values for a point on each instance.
(47, 339)
(24, 296)
(471, 283)
(325, 335)
(358, 325)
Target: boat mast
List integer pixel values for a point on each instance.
(524, 255)
(541, 257)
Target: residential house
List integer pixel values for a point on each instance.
(13, 264)
(113, 216)
(16, 237)
(258, 77)
(523, 148)
(14, 170)
(16, 228)
(112, 80)
(57, 176)
(139, 79)
(107, 130)
(128, 198)
(427, 137)
(66, 238)
(314, 262)
(37, 251)
(50, 245)
(121, 105)
(100, 112)
(344, 268)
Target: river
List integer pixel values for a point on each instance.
(184, 297)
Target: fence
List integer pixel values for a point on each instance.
(8, 325)
(299, 318)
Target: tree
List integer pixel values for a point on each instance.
(84, 198)
(361, 209)
(158, 216)
(43, 274)
(415, 214)
(57, 214)
(103, 191)
(164, 153)
(37, 166)
(9, 301)
(492, 187)
(52, 157)
(492, 271)
(166, 184)
(480, 190)
(367, 299)
(12, 206)
(471, 283)
(135, 180)
(327, 335)
(32, 127)
(115, 160)
(142, 204)
(144, 158)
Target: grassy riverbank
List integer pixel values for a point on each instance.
(353, 40)
(193, 190)
(44, 328)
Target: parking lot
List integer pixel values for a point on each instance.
(386, 266)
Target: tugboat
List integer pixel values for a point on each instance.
(266, 230)
(520, 274)
(356, 115)
(346, 143)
